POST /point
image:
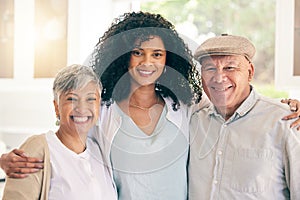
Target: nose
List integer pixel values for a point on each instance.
(79, 106)
(147, 60)
(219, 76)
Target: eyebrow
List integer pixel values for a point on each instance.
(72, 93)
(233, 62)
(154, 49)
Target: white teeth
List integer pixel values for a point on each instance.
(80, 119)
(220, 89)
(145, 72)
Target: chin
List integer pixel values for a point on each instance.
(82, 129)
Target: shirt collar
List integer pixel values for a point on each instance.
(244, 108)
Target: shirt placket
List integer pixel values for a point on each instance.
(219, 160)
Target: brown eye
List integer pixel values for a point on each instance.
(157, 55)
(136, 53)
(71, 99)
(229, 68)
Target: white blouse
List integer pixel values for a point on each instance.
(78, 176)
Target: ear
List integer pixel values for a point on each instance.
(251, 72)
(56, 108)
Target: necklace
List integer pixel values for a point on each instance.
(143, 108)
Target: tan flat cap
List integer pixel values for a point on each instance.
(225, 45)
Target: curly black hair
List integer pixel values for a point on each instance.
(110, 60)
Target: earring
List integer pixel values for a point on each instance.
(165, 69)
(157, 88)
(57, 123)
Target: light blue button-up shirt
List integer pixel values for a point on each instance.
(252, 155)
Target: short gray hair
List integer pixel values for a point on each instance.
(74, 77)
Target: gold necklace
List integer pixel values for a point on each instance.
(143, 108)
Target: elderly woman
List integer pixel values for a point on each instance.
(73, 166)
(151, 87)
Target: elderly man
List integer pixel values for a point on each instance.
(243, 150)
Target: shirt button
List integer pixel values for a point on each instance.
(220, 152)
(215, 182)
(225, 125)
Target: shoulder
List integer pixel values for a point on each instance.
(267, 103)
(37, 140)
(35, 145)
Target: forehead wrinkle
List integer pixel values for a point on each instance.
(224, 59)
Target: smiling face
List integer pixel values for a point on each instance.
(226, 81)
(78, 109)
(147, 62)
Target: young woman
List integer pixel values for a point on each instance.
(150, 86)
(150, 89)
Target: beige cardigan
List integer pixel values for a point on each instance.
(36, 185)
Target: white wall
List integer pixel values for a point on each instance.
(284, 47)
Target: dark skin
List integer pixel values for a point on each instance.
(294, 105)
(17, 165)
(23, 165)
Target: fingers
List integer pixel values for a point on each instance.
(19, 152)
(284, 101)
(17, 155)
(17, 165)
(21, 172)
(15, 175)
(27, 160)
(296, 123)
(25, 165)
(293, 115)
(22, 169)
(293, 103)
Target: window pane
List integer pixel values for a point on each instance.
(6, 38)
(51, 37)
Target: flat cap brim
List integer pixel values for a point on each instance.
(225, 45)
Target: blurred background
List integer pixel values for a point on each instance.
(38, 37)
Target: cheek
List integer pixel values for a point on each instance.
(67, 107)
(96, 109)
(242, 79)
(133, 62)
(162, 62)
(160, 65)
(205, 80)
(205, 88)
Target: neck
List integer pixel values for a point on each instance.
(143, 97)
(75, 142)
(225, 112)
(228, 111)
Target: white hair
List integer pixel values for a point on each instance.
(74, 77)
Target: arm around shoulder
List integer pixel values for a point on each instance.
(36, 185)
